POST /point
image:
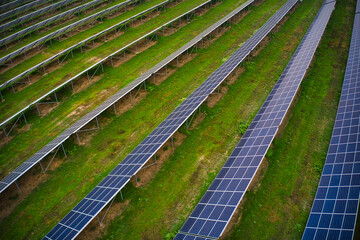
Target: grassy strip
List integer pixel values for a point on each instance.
(280, 206)
(34, 36)
(87, 165)
(57, 46)
(74, 106)
(80, 62)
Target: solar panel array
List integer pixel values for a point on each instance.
(111, 55)
(79, 44)
(55, 33)
(21, 9)
(32, 15)
(214, 211)
(103, 193)
(334, 210)
(12, 4)
(42, 153)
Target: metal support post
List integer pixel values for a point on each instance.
(18, 188)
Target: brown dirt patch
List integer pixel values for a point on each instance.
(133, 51)
(163, 154)
(4, 140)
(20, 59)
(215, 97)
(94, 230)
(45, 109)
(11, 197)
(126, 104)
(83, 83)
(198, 119)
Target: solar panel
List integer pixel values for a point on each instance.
(37, 157)
(214, 211)
(12, 4)
(152, 143)
(20, 9)
(33, 14)
(56, 33)
(335, 207)
(78, 45)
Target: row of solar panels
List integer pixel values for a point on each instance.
(42, 153)
(55, 33)
(31, 15)
(74, 222)
(216, 208)
(21, 9)
(107, 58)
(335, 208)
(80, 44)
(10, 5)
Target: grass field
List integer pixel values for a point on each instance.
(279, 204)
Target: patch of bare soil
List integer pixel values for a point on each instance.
(146, 174)
(126, 104)
(20, 59)
(133, 51)
(77, 111)
(11, 197)
(235, 75)
(215, 97)
(4, 140)
(94, 230)
(83, 83)
(45, 109)
(198, 119)
(86, 136)
(254, 186)
(24, 128)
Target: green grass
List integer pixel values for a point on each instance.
(80, 62)
(280, 205)
(57, 46)
(159, 208)
(34, 36)
(43, 130)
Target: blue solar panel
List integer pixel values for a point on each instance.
(214, 211)
(42, 153)
(335, 207)
(110, 186)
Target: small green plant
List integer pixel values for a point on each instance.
(242, 127)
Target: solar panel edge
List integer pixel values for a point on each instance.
(261, 159)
